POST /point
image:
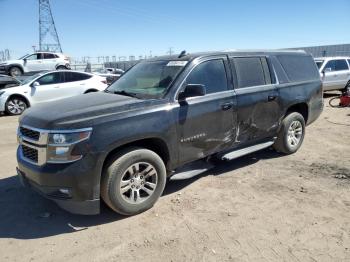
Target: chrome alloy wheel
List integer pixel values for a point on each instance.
(138, 182)
(16, 106)
(15, 71)
(295, 133)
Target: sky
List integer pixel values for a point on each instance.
(140, 27)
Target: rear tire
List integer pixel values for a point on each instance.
(133, 180)
(15, 105)
(61, 68)
(15, 71)
(291, 134)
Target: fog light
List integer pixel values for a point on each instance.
(61, 150)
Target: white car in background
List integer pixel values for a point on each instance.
(35, 63)
(111, 74)
(48, 86)
(334, 71)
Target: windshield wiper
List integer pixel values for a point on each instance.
(124, 93)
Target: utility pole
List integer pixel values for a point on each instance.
(48, 37)
(170, 52)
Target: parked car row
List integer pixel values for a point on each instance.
(48, 86)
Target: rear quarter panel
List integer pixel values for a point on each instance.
(309, 92)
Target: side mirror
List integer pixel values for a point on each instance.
(35, 84)
(326, 70)
(24, 60)
(192, 90)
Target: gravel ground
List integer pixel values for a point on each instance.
(261, 207)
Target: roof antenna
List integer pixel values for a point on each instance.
(182, 54)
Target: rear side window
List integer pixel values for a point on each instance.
(73, 76)
(252, 71)
(49, 56)
(299, 67)
(211, 74)
(337, 65)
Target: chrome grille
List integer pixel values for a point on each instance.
(29, 133)
(30, 153)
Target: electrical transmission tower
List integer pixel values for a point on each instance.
(48, 37)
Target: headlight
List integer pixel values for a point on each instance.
(68, 138)
(61, 146)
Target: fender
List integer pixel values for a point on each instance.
(21, 96)
(7, 67)
(67, 65)
(134, 140)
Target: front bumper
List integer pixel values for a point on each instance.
(74, 187)
(3, 100)
(4, 69)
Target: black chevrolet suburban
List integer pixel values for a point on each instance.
(167, 116)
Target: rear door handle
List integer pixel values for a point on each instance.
(226, 106)
(271, 98)
(56, 87)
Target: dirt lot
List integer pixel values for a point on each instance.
(262, 207)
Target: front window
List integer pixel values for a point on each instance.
(32, 57)
(50, 79)
(211, 74)
(149, 79)
(30, 78)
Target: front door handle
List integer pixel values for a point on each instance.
(56, 87)
(226, 106)
(271, 98)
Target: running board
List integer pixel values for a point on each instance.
(191, 170)
(246, 150)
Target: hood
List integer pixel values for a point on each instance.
(80, 111)
(11, 62)
(6, 86)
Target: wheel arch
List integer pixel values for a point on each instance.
(19, 96)
(15, 65)
(154, 144)
(61, 64)
(301, 108)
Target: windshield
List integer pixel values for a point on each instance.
(149, 79)
(30, 78)
(319, 63)
(22, 57)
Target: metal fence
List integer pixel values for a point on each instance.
(326, 50)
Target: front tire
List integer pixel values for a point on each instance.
(15, 106)
(15, 71)
(133, 181)
(291, 134)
